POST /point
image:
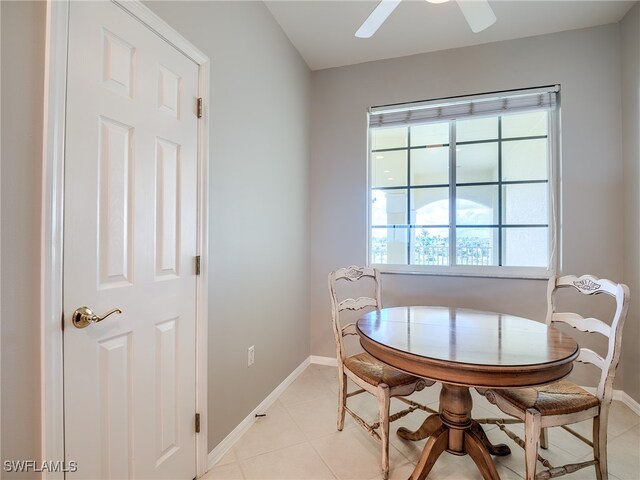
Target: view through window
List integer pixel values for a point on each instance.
(464, 184)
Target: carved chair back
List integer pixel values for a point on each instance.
(350, 274)
(589, 285)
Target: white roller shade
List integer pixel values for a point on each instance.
(476, 105)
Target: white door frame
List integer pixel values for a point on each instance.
(51, 339)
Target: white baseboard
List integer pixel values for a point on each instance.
(621, 396)
(627, 400)
(223, 447)
(327, 361)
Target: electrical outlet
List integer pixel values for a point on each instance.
(251, 355)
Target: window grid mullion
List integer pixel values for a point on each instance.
(415, 147)
(408, 232)
(452, 193)
(468, 142)
(482, 225)
(500, 199)
(468, 184)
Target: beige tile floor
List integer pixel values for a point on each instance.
(298, 440)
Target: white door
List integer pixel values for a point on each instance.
(129, 243)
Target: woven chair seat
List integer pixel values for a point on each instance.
(375, 372)
(559, 398)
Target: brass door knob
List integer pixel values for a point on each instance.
(83, 316)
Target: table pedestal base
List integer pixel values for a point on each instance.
(453, 430)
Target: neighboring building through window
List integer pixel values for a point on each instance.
(465, 185)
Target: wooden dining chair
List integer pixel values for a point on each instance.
(368, 373)
(563, 402)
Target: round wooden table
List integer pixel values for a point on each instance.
(464, 348)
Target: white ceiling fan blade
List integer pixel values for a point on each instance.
(478, 13)
(377, 18)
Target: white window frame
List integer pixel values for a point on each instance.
(553, 192)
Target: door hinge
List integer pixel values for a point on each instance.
(197, 423)
(199, 107)
(198, 265)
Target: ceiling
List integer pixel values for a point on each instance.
(323, 30)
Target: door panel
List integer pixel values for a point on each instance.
(115, 205)
(116, 425)
(130, 243)
(168, 208)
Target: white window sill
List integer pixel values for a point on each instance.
(526, 273)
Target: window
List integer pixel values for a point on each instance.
(465, 185)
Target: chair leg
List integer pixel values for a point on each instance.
(600, 444)
(384, 402)
(544, 439)
(342, 399)
(531, 440)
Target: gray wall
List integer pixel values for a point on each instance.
(23, 29)
(630, 41)
(258, 293)
(587, 65)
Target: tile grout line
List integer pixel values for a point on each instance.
(306, 439)
(241, 470)
(335, 475)
(627, 430)
(237, 460)
(497, 463)
(277, 402)
(310, 442)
